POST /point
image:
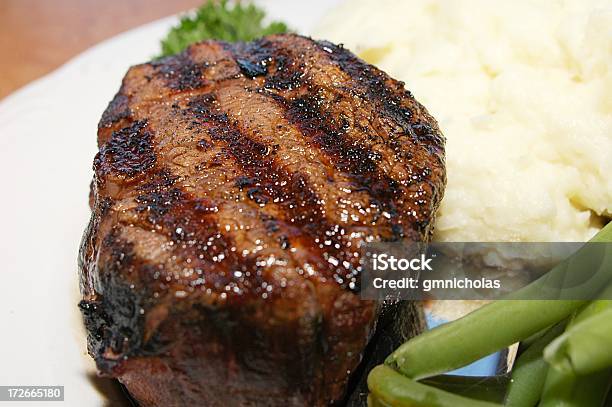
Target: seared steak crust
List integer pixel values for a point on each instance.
(233, 189)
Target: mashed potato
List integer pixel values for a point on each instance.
(523, 93)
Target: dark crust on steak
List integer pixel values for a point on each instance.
(233, 189)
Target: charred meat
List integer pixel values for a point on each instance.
(234, 188)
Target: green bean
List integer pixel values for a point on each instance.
(487, 388)
(527, 342)
(591, 390)
(604, 235)
(484, 331)
(601, 303)
(557, 388)
(594, 308)
(496, 325)
(585, 347)
(529, 372)
(567, 390)
(391, 388)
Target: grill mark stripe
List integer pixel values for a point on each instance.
(375, 83)
(167, 205)
(288, 190)
(397, 175)
(259, 54)
(399, 153)
(390, 97)
(414, 124)
(357, 162)
(170, 207)
(333, 85)
(185, 221)
(170, 213)
(306, 241)
(208, 57)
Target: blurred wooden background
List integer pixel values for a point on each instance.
(37, 36)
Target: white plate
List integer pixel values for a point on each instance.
(47, 145)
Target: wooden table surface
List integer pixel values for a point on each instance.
(37, 36)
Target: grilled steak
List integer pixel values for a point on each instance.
(234, 187)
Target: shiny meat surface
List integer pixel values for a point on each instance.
(233, 189)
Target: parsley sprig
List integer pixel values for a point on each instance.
(220, 21)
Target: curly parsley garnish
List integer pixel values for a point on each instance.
(220, 21)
